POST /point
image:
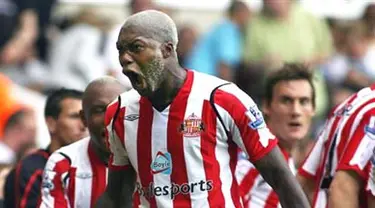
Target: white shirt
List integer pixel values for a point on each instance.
(7, 156)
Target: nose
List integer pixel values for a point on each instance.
(296, 109)
(125, 59)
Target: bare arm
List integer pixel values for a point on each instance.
(308, 186)
(344, 190)
(119, 190)
(275, 171)
(371, 202)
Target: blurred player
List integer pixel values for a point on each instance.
(338, 168)
(288, 107)
(22, 188)
(76, 175)
(167, 138)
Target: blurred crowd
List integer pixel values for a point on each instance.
(39, 54)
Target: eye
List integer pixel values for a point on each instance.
(305, 101)
(136, 47)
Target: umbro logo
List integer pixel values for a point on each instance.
(132, 117)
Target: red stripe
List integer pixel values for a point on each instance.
(232, 149)
(35, 176)
(98, 182)
(17, 183)
(346, 132)
(248, 182)
(58, 191)
(249, 136)
(175, 143)
(272, 200)
(144, 151)
(210, 163)
(72, 186)
(136, 200)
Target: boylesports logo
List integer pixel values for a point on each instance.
(174, 189)
(162, 163)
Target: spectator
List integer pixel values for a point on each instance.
(78, 54)
(219, 51)
(355, 67)
(19, 135)
(285, 32)
(23, 184)
(187, 38)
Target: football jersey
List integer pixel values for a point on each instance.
(344, 144)
(254, 190)
(183, 155)
(74, 177)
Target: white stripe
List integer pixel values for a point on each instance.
(365, 149)
(131, 130)
(259, 193)
(159, 144)
(223, 158)
(193, 157)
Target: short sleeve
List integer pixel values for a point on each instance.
(114, 135)
(53, 184)
(360, 147)
(245, 121)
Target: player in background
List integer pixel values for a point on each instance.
(22, 187)
(76, 175)
(337, 171)
(174, 138)
(289, 105)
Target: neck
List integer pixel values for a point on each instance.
(169, 88)
(288, 146)
(55, 145)
(100, 153)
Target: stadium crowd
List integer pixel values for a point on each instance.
(311, 78)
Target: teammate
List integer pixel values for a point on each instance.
(339, 165)
(288, 107)
(75, 175)
(166, 137)
(22, 188)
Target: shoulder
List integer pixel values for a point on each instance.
(62, 158)
(33, 162)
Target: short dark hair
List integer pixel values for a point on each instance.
(53, 104)
(235, 5)
(288, 72)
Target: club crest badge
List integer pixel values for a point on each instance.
(192, 126)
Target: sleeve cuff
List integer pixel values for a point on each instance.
(273, 144)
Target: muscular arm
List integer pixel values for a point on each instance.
(308, 186)
(344, 190)
(119, 190)
(275, 171)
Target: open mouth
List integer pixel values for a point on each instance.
(134, 78)
(294, 124)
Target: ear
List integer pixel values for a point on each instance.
(82, 116)
(167, 49)
(51, 124)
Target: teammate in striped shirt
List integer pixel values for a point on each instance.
(166, 136)
(76, 175)
(340, 161)
(289, 106)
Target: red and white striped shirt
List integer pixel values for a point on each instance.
(73, 177)
(254, 190)
(182, 155)
(345, 143)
